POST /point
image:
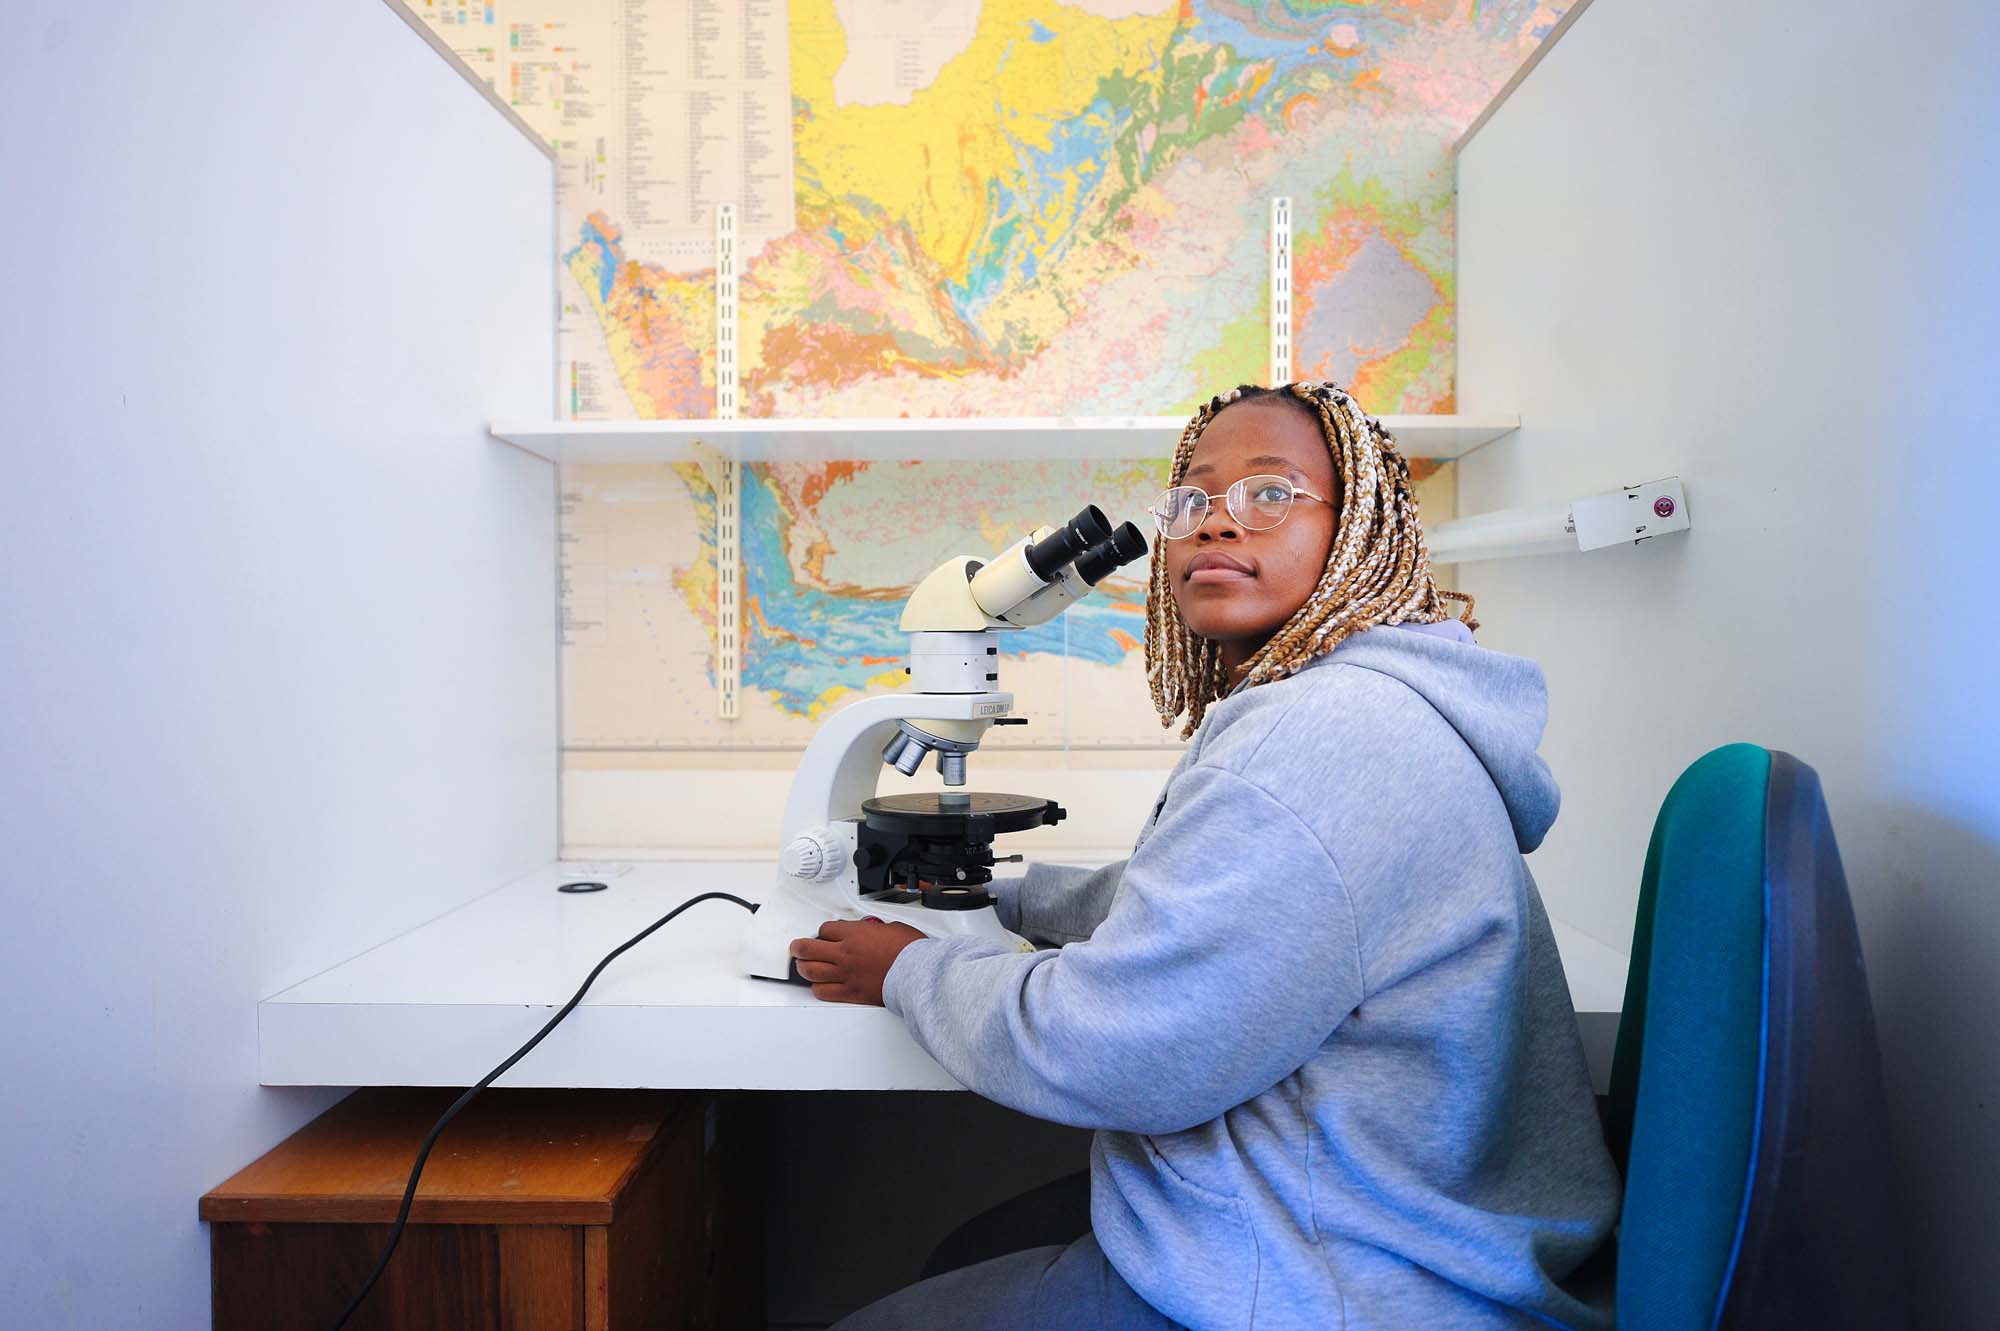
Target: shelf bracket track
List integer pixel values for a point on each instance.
(728, 476)
(1281, 290)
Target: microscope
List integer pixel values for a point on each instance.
(926, 859)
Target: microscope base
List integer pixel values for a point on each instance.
(765, 949)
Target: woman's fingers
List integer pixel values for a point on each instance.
(815, 949)
(845, 963)
(818, 963)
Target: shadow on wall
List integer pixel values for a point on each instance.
(1930, 928)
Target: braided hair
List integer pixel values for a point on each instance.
(1378, 570)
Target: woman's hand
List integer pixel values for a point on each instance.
(849, 960)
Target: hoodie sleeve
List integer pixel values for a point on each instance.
(1228, 957)
(1057, 903)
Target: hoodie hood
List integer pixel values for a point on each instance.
(1498, 704)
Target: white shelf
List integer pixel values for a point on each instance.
(441, 1004)
(966, 439)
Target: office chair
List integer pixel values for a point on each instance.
(1746, 1106)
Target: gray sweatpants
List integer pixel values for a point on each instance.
(1069, 1288)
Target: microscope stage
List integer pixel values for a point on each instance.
(944, 813)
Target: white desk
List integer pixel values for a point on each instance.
(441, 1004)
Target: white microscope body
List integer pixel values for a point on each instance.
(954, 619)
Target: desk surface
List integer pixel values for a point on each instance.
(441, 1004)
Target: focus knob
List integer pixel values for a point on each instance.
(808, 857)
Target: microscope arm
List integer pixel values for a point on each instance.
(842, 765)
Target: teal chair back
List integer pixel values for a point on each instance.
(1746, 1103)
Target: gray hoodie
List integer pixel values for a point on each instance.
(1317, 1017)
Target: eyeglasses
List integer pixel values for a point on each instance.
(1258, 502)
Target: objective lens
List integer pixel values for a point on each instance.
(911, 757)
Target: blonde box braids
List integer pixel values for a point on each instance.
(1378, 570)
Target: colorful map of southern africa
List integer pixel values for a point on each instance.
(1064, 211)
(1071, 216)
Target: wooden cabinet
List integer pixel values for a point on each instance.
(540, 1210)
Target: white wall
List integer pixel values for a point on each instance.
(1755, 245)
(276, 617)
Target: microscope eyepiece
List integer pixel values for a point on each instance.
(1120, 548)
(1047, 557)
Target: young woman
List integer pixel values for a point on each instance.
(1317, 1018)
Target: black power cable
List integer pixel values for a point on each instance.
(424, 1152)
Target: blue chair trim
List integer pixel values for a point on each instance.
(1750, 1175)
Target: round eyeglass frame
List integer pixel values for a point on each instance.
(1236, 499)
